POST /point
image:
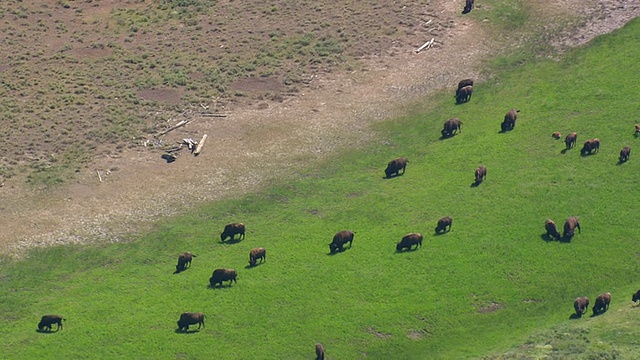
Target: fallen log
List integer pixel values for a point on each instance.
(181, 123)
(200, 145)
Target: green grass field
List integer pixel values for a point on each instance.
(491, 284)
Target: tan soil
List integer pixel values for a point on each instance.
(256, 144)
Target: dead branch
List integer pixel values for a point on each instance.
(181, 123)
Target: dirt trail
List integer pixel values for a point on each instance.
(251, 147)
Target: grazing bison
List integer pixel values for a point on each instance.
(230, 231)
(451, 126)
(463, 83)
(409, 240)
(481, 174)
(443, 224)
(569, 227)
(602, 303)
(556, 135)
(552, 229)
(468, 6)
(220, 275)
(319, 352)
(509, 121)
(590, 146)
(624, 154)
(189, 318)
(570, 140)
(47, 320)
(184, 259)
(637, 129)
(581, 304)
(341, 238)
(636, 296)
(464, 94)
(257, 254)
(394, 166)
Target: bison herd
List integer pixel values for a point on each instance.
(581, 304)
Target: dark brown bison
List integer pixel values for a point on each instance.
(636, 296)
(581, 304)
(570, 226)
(602, 303)
(590, 146)
(220, 275)
(189, 318)
(443, 224)
(481, 174)
(230, 231)
(341, 238)
(394, 166)
(509, 122)
(463, 83)
(552, 229)
(47, 320)
(624, 154)
(468, 6)
(184, 260)
(409, 240)
(257, 254)
(319, 352)
(556, 135)
(570, 140)
(451, 126)
(464, 94)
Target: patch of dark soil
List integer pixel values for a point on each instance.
(379, 334)
(491, 307)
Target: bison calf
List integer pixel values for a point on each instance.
(624, 154)
(552, 229)
(231, 230)
(570, 140)
(220, 275)
(184, 260)
(257, 254)
(443, 224)
(509, 122)
(189, 318)
(319, 352)
(341, 238)
(637, 130)
(47, 320)
(409, 240)
(451, 126)
(394, 166)
(569, 227)
(602, 303)
(556, 135)
(464, 94)
(481, 174)
(581, 304)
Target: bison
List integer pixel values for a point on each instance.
(590, 146)
(230, 231)
(552, 229)
(257, 254)
(220, 275)
(509, 122)
(556, 135)
(443, 224)
(463, 83)
(581, 304)
(570, 140)
(341, 238)
(468, 6)
(189, 318)
(47, 320)
(624, 154)
(184, 259)
(481, 174)
(636, 296)
(394, 166)
(451, 126)
(319, 352)
(602, 303)
(569, 227)
(637, 130)
(409, 240)
(464, 94)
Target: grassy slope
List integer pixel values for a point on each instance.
(122, 300)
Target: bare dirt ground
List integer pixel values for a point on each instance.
(261, 141)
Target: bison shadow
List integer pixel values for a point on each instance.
(392, 176)
(476, 183)
(575, 316)
(405, 251)
(47, 331)
(443, 137)
(179, 331)
(599, 313)
(179, 271)
(231, 241)
(253, 266)
(338, 251)
(222, 286)
(564, 151)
